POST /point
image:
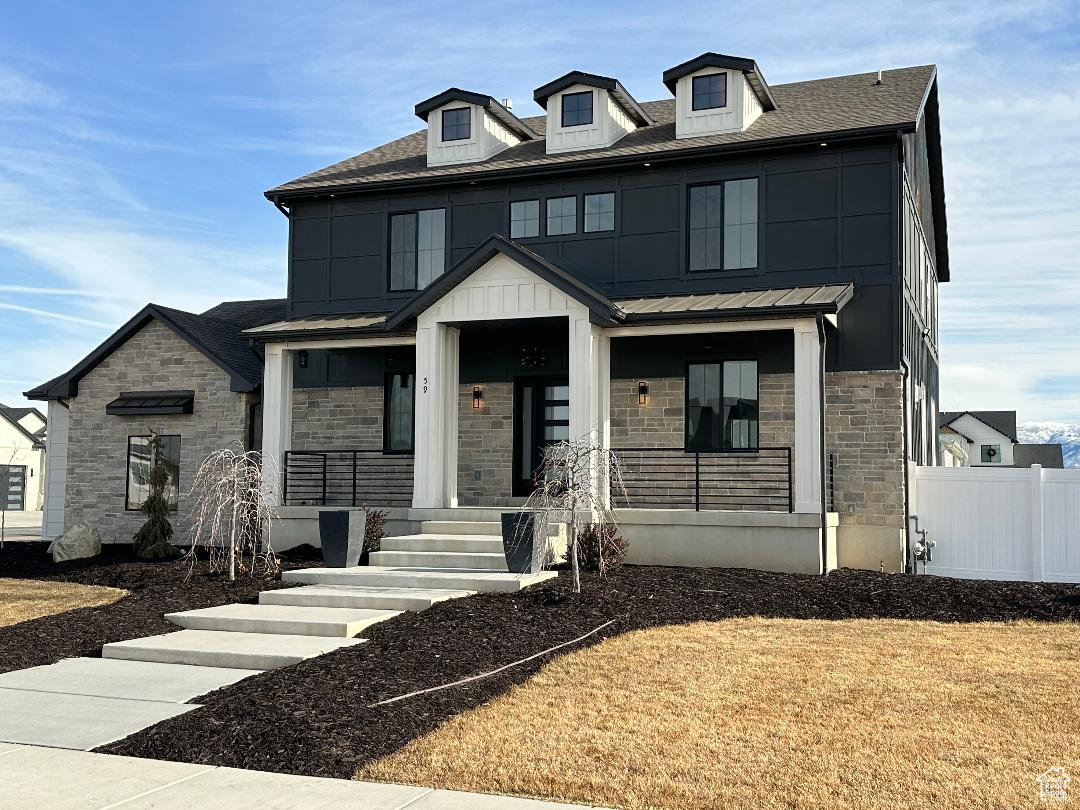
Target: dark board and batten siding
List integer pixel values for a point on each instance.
(824, 217)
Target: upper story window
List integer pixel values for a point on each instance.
(561, 216)
(709, 92)
(724, 225)
(457, 124)
(577, 109)
(524, 218)
(417, 248)
(599, 212)
(398, 409)
(722, 405)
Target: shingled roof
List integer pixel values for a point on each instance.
(820, 108)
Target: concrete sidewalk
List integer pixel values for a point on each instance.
(22, 526)
(57, 779)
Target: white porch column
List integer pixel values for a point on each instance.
(276, 416)
(56, 453)
(807, 462)
(590, 382)
(435, 466)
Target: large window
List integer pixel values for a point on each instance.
(709, 92)
(722, 405)
(140, 460)
(398, 412)
(561, 216)
(724, 225)
(599, 212)
(524, 218)
(417, 248)
(577, 109)
(457, 124)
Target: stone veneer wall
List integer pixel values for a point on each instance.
(338, 418)
(155, 358)
(486, 445)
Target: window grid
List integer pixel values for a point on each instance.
(599, 212)
(561, 216)
(723, 226)
(709, 92)
(577, 109)
(457, 124)
(524, 218)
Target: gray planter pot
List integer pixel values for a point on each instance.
(341, 535)
(519, 534)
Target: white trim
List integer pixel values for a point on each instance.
(56, 456)
(696, 328)
(277, 416)
(806, 470)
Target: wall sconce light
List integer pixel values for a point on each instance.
(642, 393)
(302, 358)
(477, 398)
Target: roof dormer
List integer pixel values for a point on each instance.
(466, 127)
(715, 93)
(585, 111)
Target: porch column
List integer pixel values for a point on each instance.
(276, 417)
(590, 384)
(435, 465)
(807, 462)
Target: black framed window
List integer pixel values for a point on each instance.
(524, 218)
(709, 92)
(724, 225)
(561, 216)
(577, 109)
(398, 408)
(600, 212)
(457, 124)
(140, 460)
(990, 453)
(722, 405)
(417, 248)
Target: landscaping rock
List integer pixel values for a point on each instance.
(81, 540)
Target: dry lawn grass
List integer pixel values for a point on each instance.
(776, 713)
(25, 599)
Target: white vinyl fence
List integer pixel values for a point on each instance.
(1010, 523)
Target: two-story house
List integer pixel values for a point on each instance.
(734, 287)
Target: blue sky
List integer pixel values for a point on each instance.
(136, 140)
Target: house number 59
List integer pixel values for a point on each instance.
(425, 385)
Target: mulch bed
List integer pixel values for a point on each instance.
(315, 718)
(155, 588)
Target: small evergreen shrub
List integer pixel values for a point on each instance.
(600, 546)
(154, 540)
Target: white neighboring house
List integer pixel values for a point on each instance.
(988, 439)
(22, 458)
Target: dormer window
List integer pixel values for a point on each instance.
(577, 109)
(710, 91)
(457, 124)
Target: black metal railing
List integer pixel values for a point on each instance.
(735, 480)
(347, 478)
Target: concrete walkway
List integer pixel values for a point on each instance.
(56, 779)
(22, 526)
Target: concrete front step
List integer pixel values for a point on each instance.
(404, 577)
(490, 528)
(214, 648)
(352, 596)
(481, 561)
(461, 543)
(289, 620)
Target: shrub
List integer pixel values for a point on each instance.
(374, 529)
(600, 545)
(154, 540)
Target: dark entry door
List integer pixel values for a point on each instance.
(12, 487)
(541, 417)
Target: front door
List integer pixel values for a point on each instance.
(12, 487)
(541, 417)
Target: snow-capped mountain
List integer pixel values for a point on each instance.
(1067, 435)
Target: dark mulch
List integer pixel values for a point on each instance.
(313, 718)
(155, 588)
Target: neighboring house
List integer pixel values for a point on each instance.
(22, 458)
(734, 287)
(988, 439)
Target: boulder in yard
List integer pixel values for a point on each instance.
(81, 540)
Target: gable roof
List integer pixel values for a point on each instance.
(494, 108)
(8, 415)
(20, 413)
(619, 93)
(1004, 422)
(748, 67)
(1051, 456)
(600, 306)
(218, 336)
(818, 109)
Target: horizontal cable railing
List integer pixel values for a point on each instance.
(728, 480)
(347, 478)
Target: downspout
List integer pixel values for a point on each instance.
(822, 460)
(909, 566)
